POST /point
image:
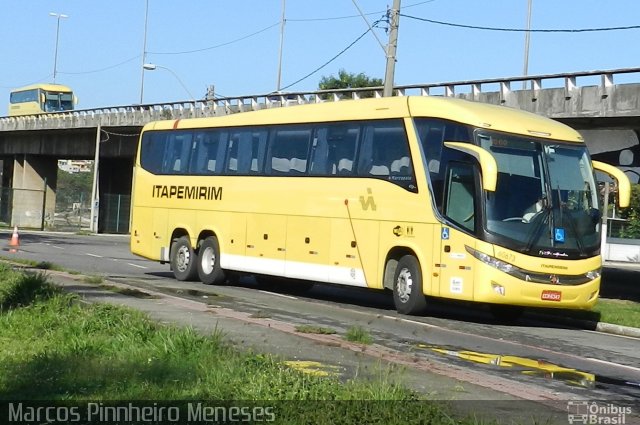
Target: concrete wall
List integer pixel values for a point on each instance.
(34, 191)
(627, 250)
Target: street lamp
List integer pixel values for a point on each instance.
(153, 67)
(58, 16)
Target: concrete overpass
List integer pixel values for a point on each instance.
(603, 105)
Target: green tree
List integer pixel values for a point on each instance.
(73, 187)
(347, 80)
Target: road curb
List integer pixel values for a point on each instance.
(618, 329)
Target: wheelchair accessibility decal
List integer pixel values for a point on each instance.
(445, 233)
(558, 234)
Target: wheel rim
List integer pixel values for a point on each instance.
(404, 285)
(208, 260)
(183, 258)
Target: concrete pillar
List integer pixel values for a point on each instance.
(30, 198)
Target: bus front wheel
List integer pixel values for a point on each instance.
(407, 287)
(209, 269)
(183, 259)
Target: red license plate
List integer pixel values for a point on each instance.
(551, 296)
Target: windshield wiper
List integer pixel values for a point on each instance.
(538, 225)
(572, 224)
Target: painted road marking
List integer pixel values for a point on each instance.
(135, 265)
(415, 322)
(94, 255)
(613, 364)
(313, 368)
(278, 295)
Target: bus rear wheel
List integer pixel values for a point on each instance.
(209, 270)
(407, 287)
(183, 259)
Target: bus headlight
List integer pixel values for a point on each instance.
(495, 263)
(534, 277)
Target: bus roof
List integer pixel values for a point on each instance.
(500, 118)
(44, 86)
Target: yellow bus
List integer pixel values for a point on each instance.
(423, 196)
(41, 98)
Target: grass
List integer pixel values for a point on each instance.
(48, 342)
(617, 312)
(93, 279)
(43, 265)
(358, 334)
(620, 312)
(313, 329)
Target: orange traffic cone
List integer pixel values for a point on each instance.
(15, 240)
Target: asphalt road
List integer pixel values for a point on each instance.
(539, 352)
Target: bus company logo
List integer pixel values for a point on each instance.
(551, 296)
(594, 413)
(368, 202)
(208, 193)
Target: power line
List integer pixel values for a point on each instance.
(520, 29)
(330, 60)
(101, 69)
(170, 53)
(218, 45)
(22, 85)
(336, 18)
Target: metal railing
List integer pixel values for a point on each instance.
(137, 115)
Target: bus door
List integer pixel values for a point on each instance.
(460, 207)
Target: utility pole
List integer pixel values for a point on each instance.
(394, 21)
(527, 37)
(282, 22)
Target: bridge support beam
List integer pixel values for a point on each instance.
(33, 199)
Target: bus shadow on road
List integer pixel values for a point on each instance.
(381, 301)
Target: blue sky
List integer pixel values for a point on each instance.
(101, 43)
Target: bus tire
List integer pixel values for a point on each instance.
(209, 270)
(407, 287)
(183, 259)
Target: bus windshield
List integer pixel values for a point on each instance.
(57, 101)
(546, 198)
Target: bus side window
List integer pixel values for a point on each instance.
(460, 195)
(343, 140)
(209, 150)
(258, 150)
(177, 153)
(246, 151)
(433, 133)
(152, 151)
(320, 161)
(289, 150)
(385, 153)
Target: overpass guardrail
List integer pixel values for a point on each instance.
(493, 90)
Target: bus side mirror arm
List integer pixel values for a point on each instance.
(487, 162)
(624, 185)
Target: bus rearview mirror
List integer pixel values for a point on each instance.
(485, 159)
(624, 185)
